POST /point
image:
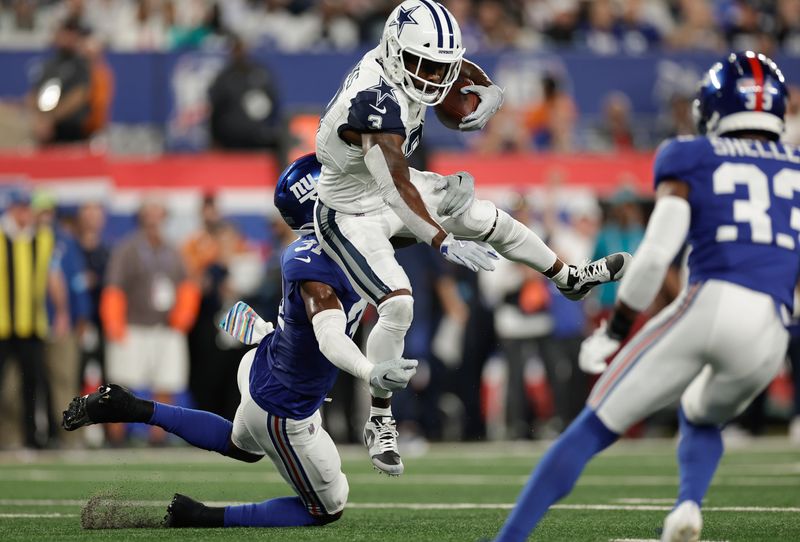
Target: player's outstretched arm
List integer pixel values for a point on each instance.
(666, 232)
(384, 158)
(330, 323)
(491, 97)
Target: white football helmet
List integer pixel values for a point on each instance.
(421, 36)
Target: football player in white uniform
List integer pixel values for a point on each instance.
(368, 194)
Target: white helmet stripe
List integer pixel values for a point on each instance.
(447, 16)
(438, 24)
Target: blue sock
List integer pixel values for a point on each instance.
(699, 451)
(556, 473)
(197, 427)
(281, 512)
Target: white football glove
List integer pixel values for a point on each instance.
(491, 98)
(243, 324)
(392, 374)
(468, 253)
(459, 193)
(595, 350)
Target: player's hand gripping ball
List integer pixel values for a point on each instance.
(457, 105)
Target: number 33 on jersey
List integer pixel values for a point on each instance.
(747, 216)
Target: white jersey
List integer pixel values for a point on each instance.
(366, 102)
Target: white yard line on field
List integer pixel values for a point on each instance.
(222, 477)
(651, 540)
(430, 506)
(37, 516)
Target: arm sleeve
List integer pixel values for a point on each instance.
(376, 164)
(329, 328)
(663, 239)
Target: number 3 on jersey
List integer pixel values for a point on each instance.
(754, 210)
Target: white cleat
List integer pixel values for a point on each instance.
(380, 438)
(683, 524)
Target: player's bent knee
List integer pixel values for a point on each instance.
(234, 452)
(479, 220)
(397, 312)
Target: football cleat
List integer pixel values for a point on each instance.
(186, 512)
(683, 524)
(380, 438)
(584, 277)
(109, 404)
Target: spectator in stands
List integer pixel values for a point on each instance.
(30, 279)
(562, 29)
(101, 86)
(788, 26)
(60, 96)
(623, 230)
(697, 30)
(792, 119)
(634, 30)
(520, 299)
(748, 26)
(573, 239)
(245, 108)
(677, 119)
(550, 123)
(89, 234)
(464, 13)
(418, 409)
(147, 307)
(794, 358)
(206, 255)
(62, 351)
(615, 131)
(599, 33)
(500, 30)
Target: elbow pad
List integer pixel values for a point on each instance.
(329, 328)
(665, 235)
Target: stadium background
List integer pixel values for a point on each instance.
(591, 90)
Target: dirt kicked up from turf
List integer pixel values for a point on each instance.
(110, 509)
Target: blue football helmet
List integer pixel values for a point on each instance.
(744, 91)
(296, 193)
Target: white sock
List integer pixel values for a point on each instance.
(562, 277)
(387, 339)
(517, 243)
(377, 411)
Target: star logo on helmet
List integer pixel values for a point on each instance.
(404, 17)
(384, 91)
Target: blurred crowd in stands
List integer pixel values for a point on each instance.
(497, 351)
(599, 26)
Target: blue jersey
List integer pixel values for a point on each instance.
(290, 377)
(745, 200)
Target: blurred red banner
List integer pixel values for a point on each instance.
(210, 171)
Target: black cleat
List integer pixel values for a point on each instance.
(109, 404)
(185, 512)
(586, 276)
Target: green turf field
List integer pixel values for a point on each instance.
(456, 492)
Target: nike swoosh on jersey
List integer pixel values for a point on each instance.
(306, 259)
(381, 110)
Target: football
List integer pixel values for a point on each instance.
(456, 105)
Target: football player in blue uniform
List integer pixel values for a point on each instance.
(734, 195)
(283, 382)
